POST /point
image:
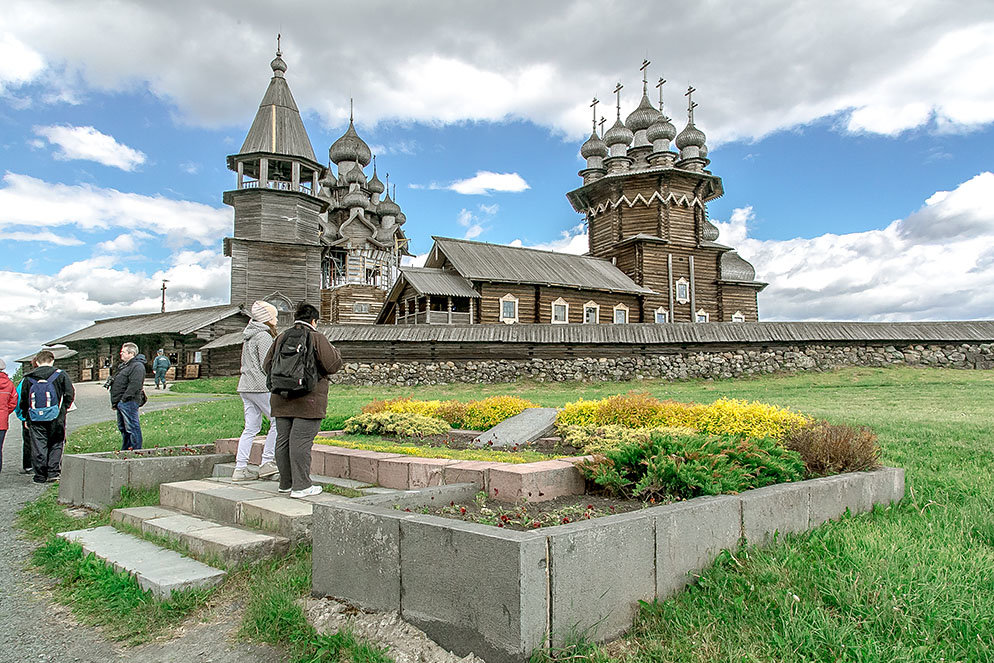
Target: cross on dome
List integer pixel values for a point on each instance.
(690, 102)
(645, 72)
(593, 105)
(617, 91)
(659, 86)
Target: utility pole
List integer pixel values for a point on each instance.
(164, 282)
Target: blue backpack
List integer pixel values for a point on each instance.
(43, 400)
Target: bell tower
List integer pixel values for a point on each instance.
(276, 248)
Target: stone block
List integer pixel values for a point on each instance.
(179, 494)
(71, 479)
(255, 454)
(766, 511)
(828, 499)
(356, 555)
(135, 516)
(394, 472)
(284, 516)
(536, 482)
(689, 537)
(857, 495)
(469, 471)
(173, 527)
(886, 485)
(234, 545)
(474, 588)
(425, 472)
(595, 590)
(522, 428)
(227, 445)
(103, 479)
(336, 463)
(363, 465)
(221, 503)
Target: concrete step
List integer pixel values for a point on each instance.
(226, 470)
(158, 570)
(204, 538)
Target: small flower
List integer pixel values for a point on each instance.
(462, 510)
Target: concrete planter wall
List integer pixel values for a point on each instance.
(501, 594)
(95, 480)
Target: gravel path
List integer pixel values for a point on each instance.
(33, 628)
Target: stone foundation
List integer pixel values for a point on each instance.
(675, 365)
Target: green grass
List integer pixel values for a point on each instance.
(377, 443)
(45, 517)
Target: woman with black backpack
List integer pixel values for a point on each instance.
(297, 369)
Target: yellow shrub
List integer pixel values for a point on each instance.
(578, 413)
(487, 413)
(678, 415)
(738, 417)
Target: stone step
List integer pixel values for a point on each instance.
(204, 538)
(157, 569)
(226, 470)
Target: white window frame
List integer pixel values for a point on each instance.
(565, 304)
(597, 312)
(702, 314)
(665, 314)
(738, 316)
(508, 298)
(676, 290)
(614, 316)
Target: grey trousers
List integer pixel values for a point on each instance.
(294, 438)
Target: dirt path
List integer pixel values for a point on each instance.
(36, 629)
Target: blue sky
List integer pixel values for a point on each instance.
(855, 146)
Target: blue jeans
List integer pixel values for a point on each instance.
(128, 424)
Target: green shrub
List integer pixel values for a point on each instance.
(835, 448)
(685, 465)
(395, 423)
(598, 439)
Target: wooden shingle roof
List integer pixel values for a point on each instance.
(277, 128)
(480, 261)
(172, 322)
(431, 281)
(979, 331)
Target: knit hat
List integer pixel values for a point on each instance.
(263, 312)
(3, 365)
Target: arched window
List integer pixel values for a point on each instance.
(662, 315)
(682, 290)
(620, 314)
(702, 316)
(591, 313)
(560, 312)
(280, 301)
(738, 317)
(509, 309)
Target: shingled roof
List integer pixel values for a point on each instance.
(480, 261)
(277, 128)
(442, 282)
(172, 322)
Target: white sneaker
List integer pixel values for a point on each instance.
(306, 492)
(268, 470)
(243, 474)
(283, 491)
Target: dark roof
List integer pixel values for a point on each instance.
(60, 352)
(226, 341)
(981, 331)
(172, 322)
(480, 261)
(442, 282)
(277, 127)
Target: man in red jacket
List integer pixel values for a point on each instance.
(8, 403)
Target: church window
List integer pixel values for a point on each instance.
(620, 314)
(560, 312)
(682, 290)
(509, 309)
(360, 307)
(738, 317)
(702, 316)
(662, 315)
(591, 313)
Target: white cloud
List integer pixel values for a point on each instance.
(190, 167)
(405, 147)
(474, 222)
(43, 236)
(88, 144)
(884, 67)
(935, 264)
(486, 182)
(31, 202)
(573, 240)
(120, 244)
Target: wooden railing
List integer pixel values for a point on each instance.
(277, 185)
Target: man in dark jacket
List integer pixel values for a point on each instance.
(125, 395)
(47, 437)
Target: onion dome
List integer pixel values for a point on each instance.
(619, 134)
(401, 218)
(643, 116)
(327, 183)
(594, 147)
(375, 185)
(355, 198)
(278, 65)
(661, 129)
(388, 207)
(350, 148)
(709, 232)
(691, 136)
(704, 151)
(735, 268)
(354, 175)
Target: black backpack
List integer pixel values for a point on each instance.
(293, 372)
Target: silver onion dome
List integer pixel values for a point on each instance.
(350, 148)
(660, 129)
(618, 134)
(388, 207)
(401, 218)
(355, 199)
(594, 147)
(643, 116)
(709, 232)
(375, 185)
(735, 268)
(354, 175)
(278, 65)
(691, 136)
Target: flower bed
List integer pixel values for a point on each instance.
(479, 415)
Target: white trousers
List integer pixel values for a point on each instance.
(256, 404)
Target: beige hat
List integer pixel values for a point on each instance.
(3, 365)
(263, 312)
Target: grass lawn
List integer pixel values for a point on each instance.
(910, 583)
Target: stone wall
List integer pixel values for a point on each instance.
(674, 364)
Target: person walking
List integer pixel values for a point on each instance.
(26, 462)
(257, 339)
(8, 404)
(45, 396)
(159, 366)
(297, 368)
(125, 395)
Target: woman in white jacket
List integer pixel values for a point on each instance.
(258, 338)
